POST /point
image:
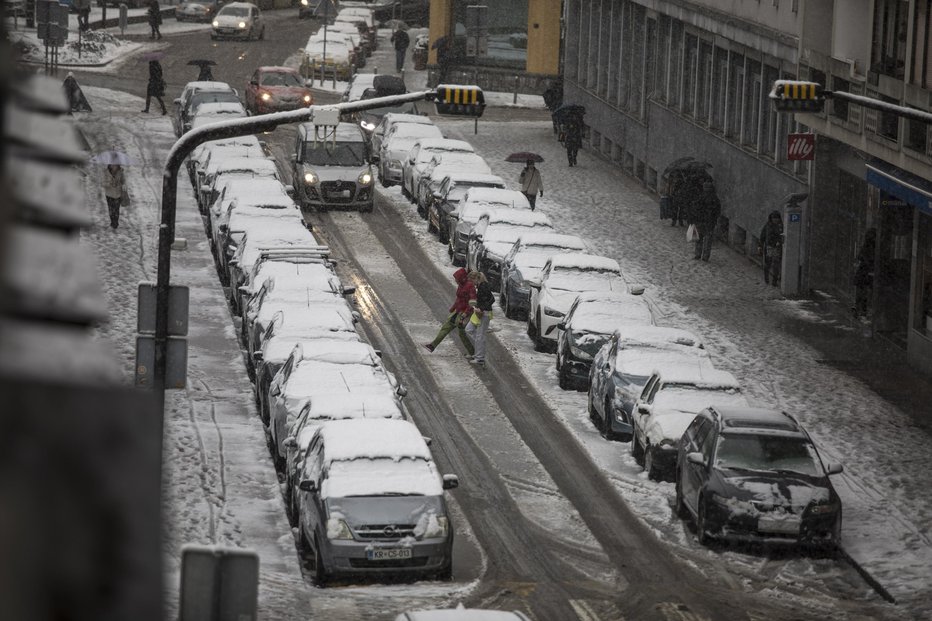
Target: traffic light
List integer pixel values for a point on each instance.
(456, 100)
(797, 96)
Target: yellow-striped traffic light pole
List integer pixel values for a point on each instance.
(802, 96)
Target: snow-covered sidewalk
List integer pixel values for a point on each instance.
(888, 470)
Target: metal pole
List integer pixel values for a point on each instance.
(323, 60)
(876, 104)
(515, 99)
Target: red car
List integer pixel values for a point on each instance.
(272, 89)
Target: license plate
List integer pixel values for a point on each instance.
(345, 193)
(783, 526)
(388, 554)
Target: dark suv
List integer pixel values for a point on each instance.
(746, 473)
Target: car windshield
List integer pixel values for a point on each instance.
(211, 97)
(579, 280)
(400, 510)
(340, 154)
(280, 78)
(767, 454)
(235, 11)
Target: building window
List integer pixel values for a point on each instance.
(719, 88)
(689, 75)
(703, 77)
(734, 95)
(636, 100)
(650, 61)
(768, 119)
(840, 106)
(616, 65)
(751, 104)
(663, 58)
(889, 123)
(676, 60)
(888, 53)
(917, 135)
(922, 44)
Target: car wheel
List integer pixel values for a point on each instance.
(563, 378)
(636, 450)
(539, 343)
(679, 505)
(605, 423)
(653, 471)
(446, 574)
(321, 575)
(509, 310)
(701, 527)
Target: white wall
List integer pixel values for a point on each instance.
(851, 36)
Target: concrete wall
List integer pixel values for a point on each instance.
(851, 32)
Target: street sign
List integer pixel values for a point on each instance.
(477, 30)
(797, 96)
(456, 100)
(178, 299)
(800, 147)
(176, 362)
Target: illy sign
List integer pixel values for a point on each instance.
(800, 146)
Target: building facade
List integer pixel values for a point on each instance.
(663, 79)
(873, 168)
(494, 43)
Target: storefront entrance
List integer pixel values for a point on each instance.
(893, 268)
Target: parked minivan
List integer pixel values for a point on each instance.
(370, 501)
(331, 168)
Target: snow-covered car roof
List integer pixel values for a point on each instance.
(336, 351)
(373, 439)
(644, 362)
(269, 200)
(302, 272)
(445, 144)
(226, 151)
(395, 118)
(275, 235)
(312, 377)
(675, 408)
(310, 308)
(584, 262)
(237, 141)
(657, 337)
(468, 176)
(258, 165)
(530, 241)
(698, 376)
(206, 85)
(602, 312)
(471, 212)
(335, 47)
(382, 476)
(325, 408)
(219, 107)
(517, 217)
(496, 197)
(250, 217)
(414, 131)
(280, 345)
(361, 81)
(449, 161)
(461, 614)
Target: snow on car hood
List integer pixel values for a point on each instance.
(320, 312)
(777, 490)
(604, 317)
(382, 476)
(497, 249)
(377, 439)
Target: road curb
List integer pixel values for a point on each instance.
(866, 575)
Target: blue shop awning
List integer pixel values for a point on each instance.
(904, 185)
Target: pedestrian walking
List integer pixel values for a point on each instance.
(572, 139)
(460, 312)
(553, 99)
(705, 210)
(156, 86)
(771, 243)
(155, 19)
(479, 322)
(444, 58)
(83, 8)
(531, 183)
(864, 274)
(401, 40)
(115, 192)
(679, 198)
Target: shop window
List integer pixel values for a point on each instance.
(491, 33)
(663, 59)
(719, 88)
(923, 310)
(888, 47)
(752, 99)
(734, 95)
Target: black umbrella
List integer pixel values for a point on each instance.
(675, 165)
(440, 43)
(524, 156)
(567, 111)
(204, 65)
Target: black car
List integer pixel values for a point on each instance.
(754, 474)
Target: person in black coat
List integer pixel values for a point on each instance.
(771, 243)
(400, 40)
(156, 86)
(154, 14)
(572, 139)
(705, 210)
(864, 273)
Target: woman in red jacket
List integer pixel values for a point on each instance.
(461, 310)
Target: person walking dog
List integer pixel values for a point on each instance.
(460, 312)
(481, 316)
(115, 192)
(531, 183)
(401, 40)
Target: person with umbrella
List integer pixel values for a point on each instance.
(442, 45)
(204, 72)
(114, 182)
(704, 213)
(771, 245)
(531, 182)
(572, 138)
(156, 86)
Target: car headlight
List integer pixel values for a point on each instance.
(310, 178)
(718, 499)
(216, 24)
(581, 354)
(337, 529)
(667, 443)
(303, 2)
(366, 125)
(364, 178)
(823, 509)
(265, 96)
(551, 312)
(242, 24)
(443, 527)
(307, 99)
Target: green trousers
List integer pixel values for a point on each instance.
(447, 327)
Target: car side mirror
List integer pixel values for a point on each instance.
(308, 486)
(349, 290)
(644, 409)
(437, 195)
(695, 458)
(294, 158)
(636, 289)
(450, 481)
(834, 468)
(254, 82)
(205, 188)
(257, 356)
(401, 391)
(533, 284)
(289, 190)
(562, 325)
(290, 442)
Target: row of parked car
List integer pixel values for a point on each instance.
(740, 472)
(359, 479)
(342, 45)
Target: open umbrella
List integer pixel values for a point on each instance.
(567, 111)
(204, 65)
(156, 55)
(675, 165)
(523, 156)
(108, 158)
